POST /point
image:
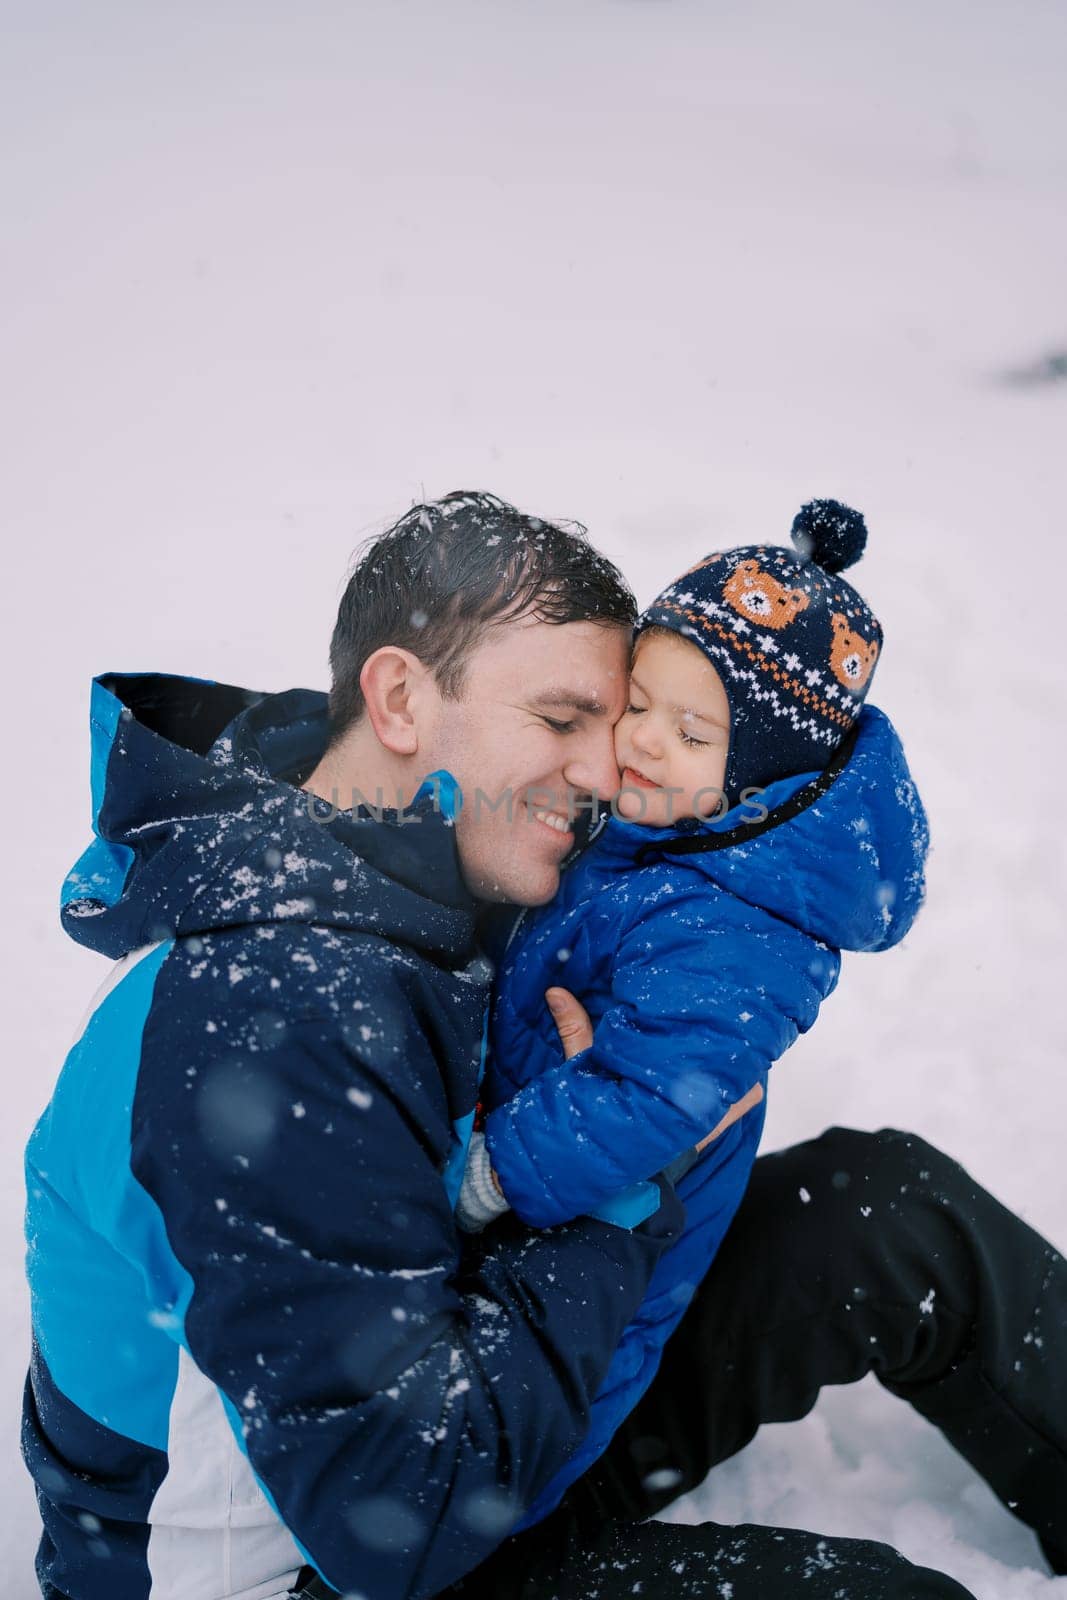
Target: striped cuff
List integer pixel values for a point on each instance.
(479, 1198)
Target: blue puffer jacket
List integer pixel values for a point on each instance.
(701, 952)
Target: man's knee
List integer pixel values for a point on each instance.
(850, 1197)
(842, 1209)
(890, 1162)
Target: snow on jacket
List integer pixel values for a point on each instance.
(701, 952)
(258, 1338)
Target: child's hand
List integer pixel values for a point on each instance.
(480, 1197)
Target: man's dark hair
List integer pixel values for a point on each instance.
(437, 581)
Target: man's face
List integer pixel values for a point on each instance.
(535, 725)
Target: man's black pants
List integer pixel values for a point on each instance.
(896, 1263)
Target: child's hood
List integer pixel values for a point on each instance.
(843, 860)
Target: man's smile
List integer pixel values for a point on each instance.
(556, 820)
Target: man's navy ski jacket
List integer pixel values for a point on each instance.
(259, 1339)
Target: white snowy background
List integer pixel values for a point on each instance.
(270, 271)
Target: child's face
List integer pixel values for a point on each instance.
(674, 734)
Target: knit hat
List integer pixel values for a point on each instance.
(794, 644)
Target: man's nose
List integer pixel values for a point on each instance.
(593, 769)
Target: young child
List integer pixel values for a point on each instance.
(701, 934)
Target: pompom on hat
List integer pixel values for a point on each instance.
(793, 643)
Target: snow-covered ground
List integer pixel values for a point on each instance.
(269, 272)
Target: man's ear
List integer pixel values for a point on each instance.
(397, 689)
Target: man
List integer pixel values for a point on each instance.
(264, 1359)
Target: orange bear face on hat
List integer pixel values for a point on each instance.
(760, 597)
(851, 657)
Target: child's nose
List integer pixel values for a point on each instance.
(645, 737)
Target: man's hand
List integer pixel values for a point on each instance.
(576, 1033)
(572, 1021)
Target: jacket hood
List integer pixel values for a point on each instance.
(841, 854)
(200, 825)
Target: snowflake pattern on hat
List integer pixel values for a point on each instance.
(793, 643)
